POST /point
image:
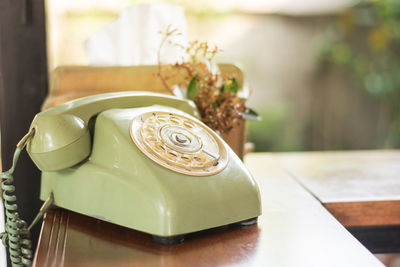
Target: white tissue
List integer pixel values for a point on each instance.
(134, 38)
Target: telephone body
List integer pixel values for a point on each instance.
(141, 160)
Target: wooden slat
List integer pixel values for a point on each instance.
(71, 82)
(366, 213)
(52, 239)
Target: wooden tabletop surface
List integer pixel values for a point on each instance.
(350, 176)
(360, 188)
(294, 230)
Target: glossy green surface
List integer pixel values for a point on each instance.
(119, 184)
(66, 156)
(61, 138)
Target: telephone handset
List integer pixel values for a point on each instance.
(147, 163)
(62, 137)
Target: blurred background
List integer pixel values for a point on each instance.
(323, 73)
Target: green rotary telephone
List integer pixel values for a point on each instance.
(140, 160)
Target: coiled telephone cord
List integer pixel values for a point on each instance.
(17, 233)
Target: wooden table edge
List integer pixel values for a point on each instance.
(365, 213)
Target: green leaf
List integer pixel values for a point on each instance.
(234, 86)
(192, 89)
(251, 115)
(231, 86)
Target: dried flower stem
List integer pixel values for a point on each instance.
(215, 94)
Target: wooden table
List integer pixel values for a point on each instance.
(294, 230)
(361, 189)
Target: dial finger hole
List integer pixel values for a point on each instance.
(151, 138)
(186, 158)
(149, 128)
(172, 154)
(196, 165)
(199, 158)
(188, 124)
(148, 135)
(159, 147)
(151, 120)
(175, 120)
(162, 118)
(210, 163)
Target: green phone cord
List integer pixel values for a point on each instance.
(17, 234)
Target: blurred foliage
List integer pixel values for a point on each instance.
(275, 131)
(365, 43)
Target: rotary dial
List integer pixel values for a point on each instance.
(178, 143)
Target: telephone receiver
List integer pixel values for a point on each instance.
(144, 161)
(62, 137)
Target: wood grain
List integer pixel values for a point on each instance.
(360, 188)
(366, 213)
(52, 238)
(346, 176)
(71, 82)
(294, 230)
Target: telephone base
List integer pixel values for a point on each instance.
(118, 183)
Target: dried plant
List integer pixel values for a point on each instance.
(214, 94)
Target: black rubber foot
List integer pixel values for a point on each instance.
(247, 222)
(168, 240)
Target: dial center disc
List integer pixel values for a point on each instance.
(179, 138)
